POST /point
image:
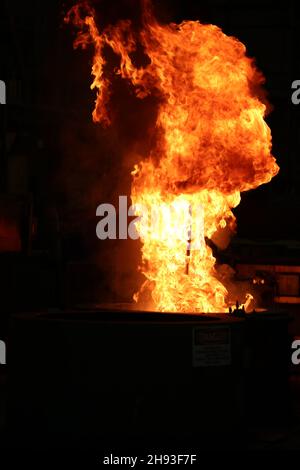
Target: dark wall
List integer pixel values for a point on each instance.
(51, 149)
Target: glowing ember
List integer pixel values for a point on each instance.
(212, 143)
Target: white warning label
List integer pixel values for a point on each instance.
(211, 346)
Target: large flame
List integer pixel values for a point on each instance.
(211, 143)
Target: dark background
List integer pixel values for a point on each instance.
(57, 166)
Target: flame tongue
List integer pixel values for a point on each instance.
(212, 143)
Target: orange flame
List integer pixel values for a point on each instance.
(212, 143)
